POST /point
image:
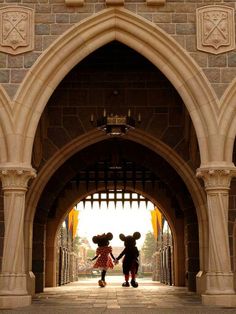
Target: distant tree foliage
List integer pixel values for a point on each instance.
(149, 246)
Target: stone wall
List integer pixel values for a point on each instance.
(177, 18)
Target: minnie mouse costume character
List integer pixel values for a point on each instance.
(130, 261)
(103, 255)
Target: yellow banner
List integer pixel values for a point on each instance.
(73, 220)
(156, 217)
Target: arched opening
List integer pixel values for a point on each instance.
(117, 78)
(67, 186)
(119, 212)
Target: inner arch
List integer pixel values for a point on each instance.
(144, 174)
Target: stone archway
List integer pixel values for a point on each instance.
(227, 121)
(6, 126)
(140, 138)
(162, 202)
(137, 33)
(156, 46)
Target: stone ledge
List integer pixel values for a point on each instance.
(79, 3)
(115, 2)
(74, 3)
(155, 2)
(10, 302)
(227, 300)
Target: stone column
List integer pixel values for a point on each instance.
(13, 292)
(219, 277)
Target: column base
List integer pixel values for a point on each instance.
(31, 283)
(13, 284)
(219, 283)
(201, 282)
(227, 300)
(14, 301)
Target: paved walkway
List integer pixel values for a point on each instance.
(85, 297)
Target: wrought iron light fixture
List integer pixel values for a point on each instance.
(115, 125)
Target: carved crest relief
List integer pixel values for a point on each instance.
(16, 29)
(215, 29)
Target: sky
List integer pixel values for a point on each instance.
(94, 221)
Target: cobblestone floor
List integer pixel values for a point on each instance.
(86, 297)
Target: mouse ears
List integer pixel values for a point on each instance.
(95, 239)
(109, 236)
(103, 236)
(122, 237)
(136, 235)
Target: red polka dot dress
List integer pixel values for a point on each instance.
(104, 260)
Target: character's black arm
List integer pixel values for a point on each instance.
(121, 254)
(113, 257)
(94, 258)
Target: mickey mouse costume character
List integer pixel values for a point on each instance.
(103, 255)
(130, 261)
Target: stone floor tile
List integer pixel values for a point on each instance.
(85, 297)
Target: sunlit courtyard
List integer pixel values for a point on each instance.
(119, 213)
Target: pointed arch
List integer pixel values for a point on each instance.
(140, 137)
(227, 120)
(137, 33)
(6, 126)
(137, 136)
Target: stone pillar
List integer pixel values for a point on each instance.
(219, 277)
(13, 292)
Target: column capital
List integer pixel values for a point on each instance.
(16, 178)
(216, 177)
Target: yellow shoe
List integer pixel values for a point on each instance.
(101, 283)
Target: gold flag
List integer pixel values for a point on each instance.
(73, 221)
(156, 217)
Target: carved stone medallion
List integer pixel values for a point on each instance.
(16, 29)
(215, 29)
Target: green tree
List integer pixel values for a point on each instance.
(91, 253)
(149, 246)
(79, 241)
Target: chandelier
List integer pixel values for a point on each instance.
(115, 125)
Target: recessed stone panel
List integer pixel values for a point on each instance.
(215, 29)
(16, 29)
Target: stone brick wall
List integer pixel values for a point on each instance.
(177, 18)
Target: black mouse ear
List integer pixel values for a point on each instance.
(137, 235)
(122, 237)
(95, 239)
(109, 236)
